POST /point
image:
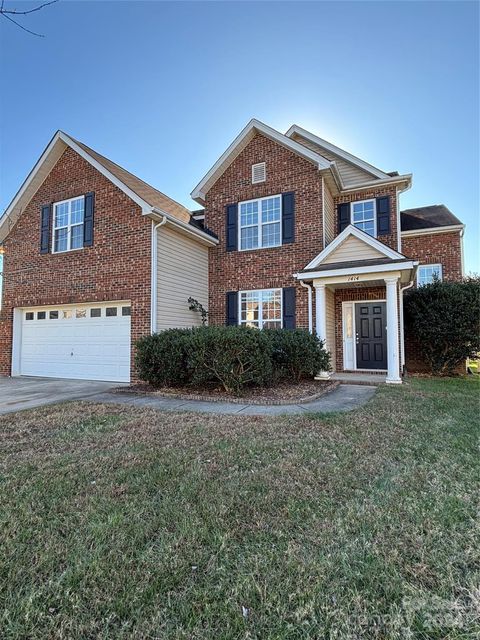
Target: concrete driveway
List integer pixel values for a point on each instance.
(27, 393)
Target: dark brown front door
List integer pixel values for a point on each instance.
(371, 336)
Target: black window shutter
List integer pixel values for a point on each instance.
(232, 223)
(232, 308)
(383, 216)
(45, 228)
(88, 220)
(288, 218)
(289, 297)
(343, 214)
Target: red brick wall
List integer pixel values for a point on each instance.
(273, 267)
(116, 267)
(443, 248)
(391, 239)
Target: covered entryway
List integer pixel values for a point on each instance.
(82, 342)
(359, 283)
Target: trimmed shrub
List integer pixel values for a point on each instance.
(162, 358)
(230, 357)
(297, 354)
(444, 318)
(234, 357)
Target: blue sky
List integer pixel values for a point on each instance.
(163, 88)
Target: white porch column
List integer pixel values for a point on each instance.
(321, 321)
(393, 359)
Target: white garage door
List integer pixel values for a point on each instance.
(87, 342)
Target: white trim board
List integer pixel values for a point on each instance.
(328, 146)
(433, 230)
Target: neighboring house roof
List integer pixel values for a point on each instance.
(435, 215)
(153, 203)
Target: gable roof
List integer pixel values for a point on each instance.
(240, 142)
(435, 215)
(349, 232)
(330, 148)
(146, 196)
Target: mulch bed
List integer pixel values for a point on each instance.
(284, 393)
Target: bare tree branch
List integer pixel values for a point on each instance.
(7, 13)
(24, 13)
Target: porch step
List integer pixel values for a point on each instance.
(371, 379)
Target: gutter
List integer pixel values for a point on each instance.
(308, 286)
(153, 283)
(183, 226)
(402, 334)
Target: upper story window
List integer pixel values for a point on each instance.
(364, 216)
(427, 273)
(260, 223)
(259, 172)
(261, 308)
(68, 218)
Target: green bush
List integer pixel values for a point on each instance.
(162, 358)
(297, 354)
(230, 357)
(444, 318)
(234, 357)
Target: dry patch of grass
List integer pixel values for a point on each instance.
(121, 522)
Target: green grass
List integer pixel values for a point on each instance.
(119, 522)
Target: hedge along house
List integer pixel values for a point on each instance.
(311, 236)
(94, 259)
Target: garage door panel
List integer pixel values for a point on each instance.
(80, 347)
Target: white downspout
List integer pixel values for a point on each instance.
(402, 335)
(310, 305)
(153, 284)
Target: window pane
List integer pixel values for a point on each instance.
(111, 311)
(76, 211)
(126, 311)
(95, 313)
(66, 314)
(271, 306)
(61, 214)
(271, 235)
(77, 237)
(427, 274)
(53, 315)
(248, 213)
(249, 238)
(81, 313)
(271, 210)
(61, 240)
(368, 227)
(250, 304)
(41, 315)
(29, 315)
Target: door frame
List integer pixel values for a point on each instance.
(353, 361)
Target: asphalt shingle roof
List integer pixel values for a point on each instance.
(435, 215)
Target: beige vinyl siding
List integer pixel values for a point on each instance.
(182, 265)
(330, 313)
(350, 174)
(352, 249)
(329, 216)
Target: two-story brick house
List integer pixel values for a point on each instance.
(311, 236)
(294, 232)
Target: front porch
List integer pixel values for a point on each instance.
(357, 306)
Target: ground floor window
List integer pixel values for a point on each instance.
(427, 272)
(261, 308)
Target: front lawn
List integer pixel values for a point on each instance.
(118, 522)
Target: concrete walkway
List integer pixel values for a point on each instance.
(345, 398)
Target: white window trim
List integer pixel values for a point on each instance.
(259, 224)
(433, 264)
(67, 226)
(254, 166)
(260, 309)
(374, 214)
